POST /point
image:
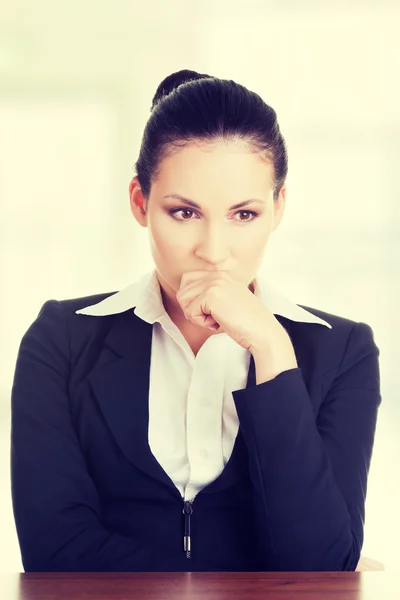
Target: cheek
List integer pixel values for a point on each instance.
(254, 242)
(163, 241)
(160, 245)
(169, 236)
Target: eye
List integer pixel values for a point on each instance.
(247, 212)
(174, 211)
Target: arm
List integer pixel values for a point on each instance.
(309, 477)
(56, 504)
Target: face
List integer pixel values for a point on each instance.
(213, 235)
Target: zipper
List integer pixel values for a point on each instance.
(187, 512)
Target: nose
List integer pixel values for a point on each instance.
(212, 246)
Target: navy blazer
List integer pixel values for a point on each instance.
(88, 494)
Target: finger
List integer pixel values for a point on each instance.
(191, 289)
(192, 276)
(186, 296)
(211, 323)
(189, 293)
(199, 313)
(194, 312)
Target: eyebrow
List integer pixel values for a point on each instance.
(195, 205)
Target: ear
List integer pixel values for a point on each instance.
(137, 202)
(279, 208)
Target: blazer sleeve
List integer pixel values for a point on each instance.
(310, 476)
(55, 502)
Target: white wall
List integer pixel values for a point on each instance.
(76, 83)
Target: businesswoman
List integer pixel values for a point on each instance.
(197, 420)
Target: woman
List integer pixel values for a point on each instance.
(197, 420)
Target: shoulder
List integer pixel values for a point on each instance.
(69, 306)
(346, 343)
(61, 313)
(352, 361)
(67, 341)
(343, 327)
(58, 326)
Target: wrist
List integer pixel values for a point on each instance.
(276, 347)
(270, 362)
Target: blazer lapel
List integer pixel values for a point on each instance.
(121, 385)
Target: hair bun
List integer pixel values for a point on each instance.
(173, 81)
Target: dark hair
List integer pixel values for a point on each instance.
(193, 106)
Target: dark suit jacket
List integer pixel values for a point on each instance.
(88, 494)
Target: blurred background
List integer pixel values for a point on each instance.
(76, 83)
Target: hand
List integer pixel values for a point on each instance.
(214, 299)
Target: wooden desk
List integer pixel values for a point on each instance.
(200, 586)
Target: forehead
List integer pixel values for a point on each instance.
(230, 163)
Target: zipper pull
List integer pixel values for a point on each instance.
(187, 511)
